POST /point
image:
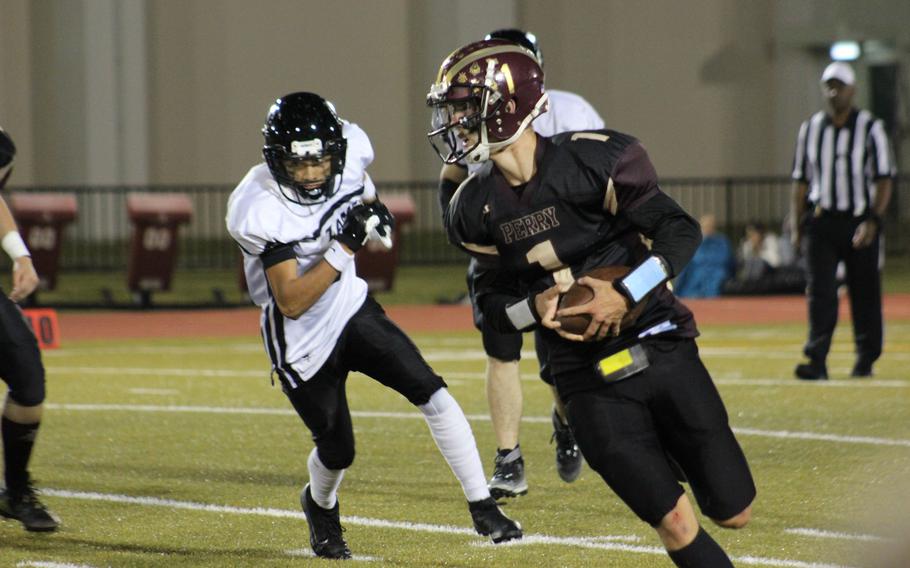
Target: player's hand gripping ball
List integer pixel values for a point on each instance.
(579, 294)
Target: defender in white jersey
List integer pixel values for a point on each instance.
(299, 217)
(564, 112)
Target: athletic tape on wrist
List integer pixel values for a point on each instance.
(338, 257)
(14, 245)
(521, 315)
(649, 275)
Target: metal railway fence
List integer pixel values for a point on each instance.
(99, 237)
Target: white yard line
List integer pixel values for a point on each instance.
(307, 553)
(159, 371)
(474, 353)
(783, 434)
(43, 564)
(530, 539)
(156, 392)
(726, 379)
(818, 533)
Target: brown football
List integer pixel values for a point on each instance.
(579, 294)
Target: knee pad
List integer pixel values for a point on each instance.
(334, 456)
(30, 391)
(440, 401)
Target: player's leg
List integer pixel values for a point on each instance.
(382, 351)
(865, 290)
(504, 397)
(694, 427)
(321, 403)
(568, 455)
(822, 257)
(22, 370)
(615, 430)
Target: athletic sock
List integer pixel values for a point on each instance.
(453, 436)
(18, 440)
(324, 482)
(703, 552)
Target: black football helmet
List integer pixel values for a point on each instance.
(7, 154)
(525, 39)
(303, 129)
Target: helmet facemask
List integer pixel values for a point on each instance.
(459, 114)
(306, 155)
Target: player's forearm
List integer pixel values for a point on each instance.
(503, 301)
(883, 190)
(294, 295)
(798, 203)
(675, 235)
(7, 223)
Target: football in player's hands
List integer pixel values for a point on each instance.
(579, 294)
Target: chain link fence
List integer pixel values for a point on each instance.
(99, 237)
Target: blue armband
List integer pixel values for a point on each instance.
(647, 276)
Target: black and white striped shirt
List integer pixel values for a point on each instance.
(841, 165)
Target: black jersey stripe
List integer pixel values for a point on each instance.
(293, 376)
(331, 211)
(268, 337)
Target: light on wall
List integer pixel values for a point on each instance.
(845, 51)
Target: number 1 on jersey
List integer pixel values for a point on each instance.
(545, 255)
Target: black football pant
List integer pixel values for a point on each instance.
(501, 345)
(372, 344)
(627, 429)
(20, 359)
(830, 241)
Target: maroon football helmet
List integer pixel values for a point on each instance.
(485, 95)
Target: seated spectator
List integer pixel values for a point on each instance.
(767, 265)
(712, 265)
(759, 253)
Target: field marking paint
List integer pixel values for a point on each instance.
(783, 434)
(818, 533)
(476, 353)
(219, 348)
(733, 379)
(530, 539)
(158, 392)
(307, 553)
(726, 379)
(822, 437)
(43, 564)
(166, 372)
(583, 542)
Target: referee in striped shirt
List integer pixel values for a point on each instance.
(842, 172)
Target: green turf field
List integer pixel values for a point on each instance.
(180, 453)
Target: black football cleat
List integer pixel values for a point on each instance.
(25, 507)
(508, 475)
(811, 371)
(861, 370)
(325, 528)
(568, 456)
(489, 520)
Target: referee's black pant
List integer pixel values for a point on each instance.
(830, 237)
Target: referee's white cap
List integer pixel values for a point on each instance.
(840, 71)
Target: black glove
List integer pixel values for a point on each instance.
(386, 223)
(357, 226)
